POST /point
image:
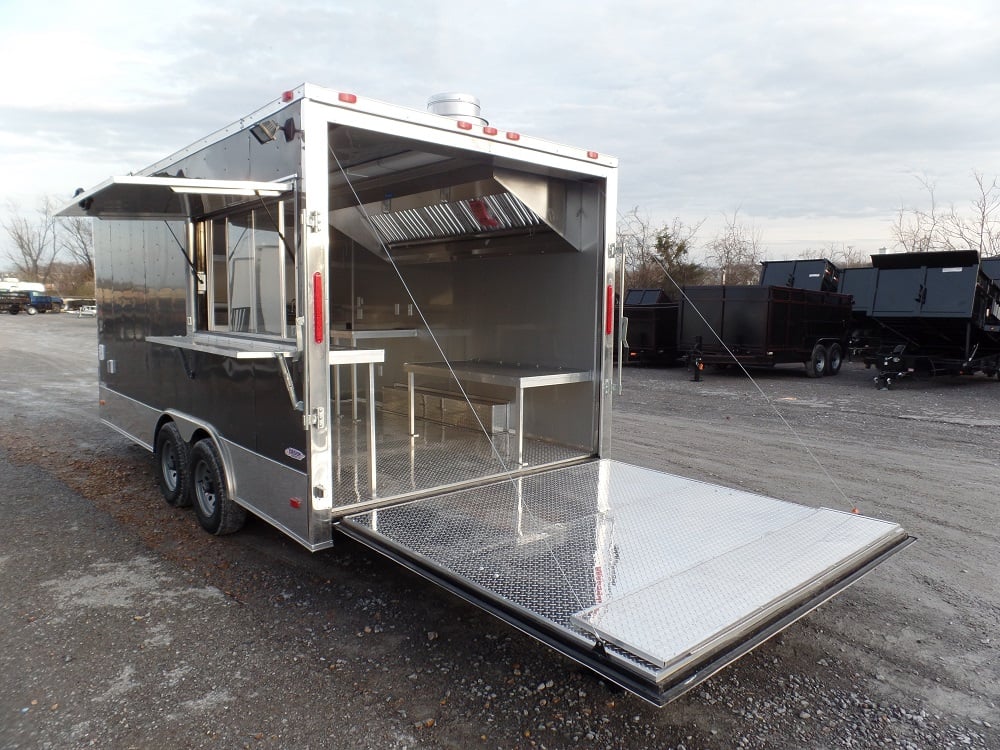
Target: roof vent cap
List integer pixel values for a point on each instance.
(456, 106)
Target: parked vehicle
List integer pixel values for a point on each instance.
(426, 248)
(651, 327)
(764, 326)
(924, 315)
(14, 302)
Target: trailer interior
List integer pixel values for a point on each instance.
(402, 331)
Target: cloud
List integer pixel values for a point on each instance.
(791, 113)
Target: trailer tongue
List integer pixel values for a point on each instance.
(653, 580)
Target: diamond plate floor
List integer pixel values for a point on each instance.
(440, 456)
(662, 566)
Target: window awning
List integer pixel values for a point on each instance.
(137, 197)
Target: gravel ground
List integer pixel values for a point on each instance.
(123, 625)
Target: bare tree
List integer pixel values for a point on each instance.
(844, 256)
(636, 242)
(981, 229)
(934, 228)
(736, 252)
(35, 247)
(77, 238)
(651, 255)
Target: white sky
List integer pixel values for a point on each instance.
(813, 121)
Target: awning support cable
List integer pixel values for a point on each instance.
(760, 390)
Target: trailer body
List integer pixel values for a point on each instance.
(817, 274)
(650, 327)
(337, 314)
(925, 314)
(764, 326)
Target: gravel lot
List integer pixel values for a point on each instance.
(123, 625)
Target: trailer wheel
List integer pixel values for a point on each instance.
(816, 365)
(216, 511)
(834, 359)
(173, 458)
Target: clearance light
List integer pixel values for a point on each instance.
(287, 96)
(592, 154)
(295, 502)
(489, 130)
(609, 311)
(463, 125)
(347, 98)
(318, 307)
(513, 136)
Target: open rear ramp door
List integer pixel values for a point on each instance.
(654, 581)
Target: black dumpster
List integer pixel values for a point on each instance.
(818, 274)
(763, 326)
(651, 333)
(926, 314)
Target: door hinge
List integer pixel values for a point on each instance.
(315, 418)
(313, 222)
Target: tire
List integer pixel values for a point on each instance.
(32, 311)
(216, 511)
(816, 364)
(834, 359)
(15, 310)
(173, 466)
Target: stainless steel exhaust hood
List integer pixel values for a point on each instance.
(462, 212)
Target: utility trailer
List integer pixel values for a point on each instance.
(338, 315)
(925, 315)
(650, 324)
(817, 274)
(764, 326)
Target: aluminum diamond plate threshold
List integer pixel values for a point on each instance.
(651, 579)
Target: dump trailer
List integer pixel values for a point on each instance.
(925, 315)
(764, 326)
(338, 315)
(650, 325)
(817, 274)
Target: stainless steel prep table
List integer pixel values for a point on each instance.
(352, 338)
(347, 355)
(516, 376)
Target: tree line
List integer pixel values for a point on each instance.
(60, 252)
(663, 256)
(57, 252)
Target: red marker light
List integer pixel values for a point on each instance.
(513, 136)
(489, 130)
(295, 502)
(463, 125)
(592, 154)
(318, 307)
(609, 311)
(287, 96)
(347, 98)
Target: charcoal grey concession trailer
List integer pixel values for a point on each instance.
(349, 317)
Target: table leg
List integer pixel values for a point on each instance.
(519, 408)
(410, 397)
(371, 428)
(354, 392)
(336, 390)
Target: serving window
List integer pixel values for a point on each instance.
(246, 267)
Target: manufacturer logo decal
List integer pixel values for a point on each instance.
(293, 453)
